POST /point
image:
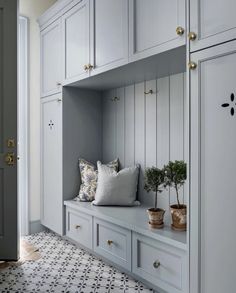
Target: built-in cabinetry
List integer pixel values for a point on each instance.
(211, 22)
(158, 258)
(213, 98)
(156, 27)
(67, 132)
(111, 44)
(51, 59)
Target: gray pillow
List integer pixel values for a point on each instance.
(116, 188)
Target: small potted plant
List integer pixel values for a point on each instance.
(175, 176)
(154, 181)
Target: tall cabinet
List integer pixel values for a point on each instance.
(213, 142)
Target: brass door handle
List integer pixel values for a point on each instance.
(156, 264)
(109, 242)
(192, 36)
(10, 159)
(179, 31)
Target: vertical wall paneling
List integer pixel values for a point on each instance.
(151, 116)
(140, 122)
(147, 129)
(120, 126)
(129, 126)
(109, 126)
(163, 142)
(176, 124)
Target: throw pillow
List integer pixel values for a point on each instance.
(116, 188)
(89, 176)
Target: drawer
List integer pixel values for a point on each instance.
(113, 242)
(161, 264)
(79, 227)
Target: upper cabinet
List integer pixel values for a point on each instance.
(155, 26)
(51, 57)
(211, 22)
(109, 34)
(76, 42)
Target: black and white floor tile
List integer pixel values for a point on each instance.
(63, 267)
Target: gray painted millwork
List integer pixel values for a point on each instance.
(8, 129)
(123, 237)
(35, 227)
(146, 129)
(70, 129)
(212, 21)
(213, 159)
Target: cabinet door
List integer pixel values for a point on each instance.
(51, 59)
(51, 163)
(109, 34)
(152, 26)
(213, 161)
(213, 22)
(76, 41)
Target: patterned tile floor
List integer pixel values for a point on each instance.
(63, 267)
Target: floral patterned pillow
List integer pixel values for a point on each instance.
(89, 176)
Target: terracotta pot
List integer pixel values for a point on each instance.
(179, 217)
(156, 217)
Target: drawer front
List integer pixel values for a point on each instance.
(79, 227)
(113, 242)
(162, 265)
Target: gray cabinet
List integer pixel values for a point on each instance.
(213, 184)
(51, 163)
(212, 22)
(152, 27)
(51, 59)
(109, 34)
(76, 42)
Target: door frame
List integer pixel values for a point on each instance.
(23, 126)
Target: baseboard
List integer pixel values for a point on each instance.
(36, 227)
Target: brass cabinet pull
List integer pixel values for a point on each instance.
(192, 36)
(58, 84)
(109, 242)
(86, 67)
(77, 226)
(180, 31)
(192, 65)
(59, 100)
(10, 159)
(156, 264)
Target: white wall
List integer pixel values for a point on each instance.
(32, 9)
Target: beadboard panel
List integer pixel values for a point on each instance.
(148, 129)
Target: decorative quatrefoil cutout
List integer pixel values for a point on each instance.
(231, 105)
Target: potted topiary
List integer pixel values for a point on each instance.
(154, 181)
(175, 176)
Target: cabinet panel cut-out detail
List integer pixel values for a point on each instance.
(231, 105)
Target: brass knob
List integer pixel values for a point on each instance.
(90, 66)
(156, 264)
(109, 242)
(77, 226)
(59, 100)
(86, 67)
(192, 36)
(192, 65)
(179, 31)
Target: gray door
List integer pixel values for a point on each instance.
(8, 130)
